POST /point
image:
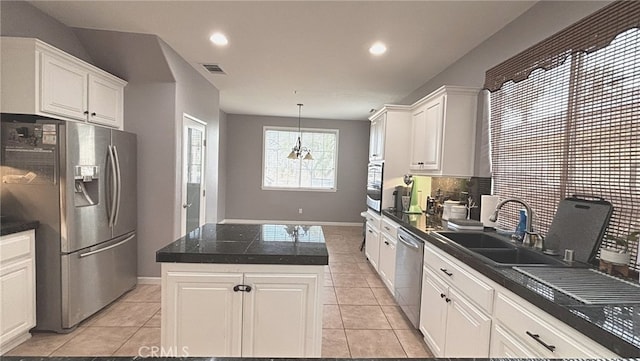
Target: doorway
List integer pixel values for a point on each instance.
(193, 173)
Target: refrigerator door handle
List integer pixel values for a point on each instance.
(113, 190)
(118, 184)
(86, 254)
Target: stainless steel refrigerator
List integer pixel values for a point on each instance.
(79, 181)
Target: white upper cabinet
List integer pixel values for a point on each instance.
(443, 132)
(42, 80)
(376, 138)
(105, 101)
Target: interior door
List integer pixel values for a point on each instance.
(193, 173)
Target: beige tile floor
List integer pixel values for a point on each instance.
(361, 318)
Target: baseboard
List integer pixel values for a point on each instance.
(149, 280)
(269, 221)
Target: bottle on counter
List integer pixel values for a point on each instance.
(522, 225)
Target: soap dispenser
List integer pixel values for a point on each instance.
(522, 225)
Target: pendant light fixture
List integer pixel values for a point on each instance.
(298, 149)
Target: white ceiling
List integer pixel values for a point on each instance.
(281, 53)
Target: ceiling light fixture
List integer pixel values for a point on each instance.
(219, 39)
(298, 149)
(378, 49)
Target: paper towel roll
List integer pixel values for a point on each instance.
(488, 206)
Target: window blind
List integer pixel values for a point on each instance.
(573, 128)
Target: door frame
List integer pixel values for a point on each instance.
(189, 121)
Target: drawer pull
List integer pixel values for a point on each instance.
(386, 242)
(243, 288)
(536, 337)
(387, 228)
(370, 231)
(446, 272)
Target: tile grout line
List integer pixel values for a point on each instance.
(78, 330)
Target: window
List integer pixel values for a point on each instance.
(572, 125)
(279, 172)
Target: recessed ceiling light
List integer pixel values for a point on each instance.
(378, 49)
(219, 39)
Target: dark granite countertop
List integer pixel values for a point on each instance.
(249, 244)
(614, 326)
(9, 226)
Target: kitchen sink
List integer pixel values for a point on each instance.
(498, 251)
(517, 256)
(476, 240)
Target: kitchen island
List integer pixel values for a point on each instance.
(243, 290)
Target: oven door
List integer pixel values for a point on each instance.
(374, 186)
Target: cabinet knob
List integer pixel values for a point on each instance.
(93, 114)
(85, 112)
(241, 288)
(387, 243)
(442, 295)
(448, 300)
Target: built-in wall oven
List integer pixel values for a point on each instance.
(408, 281)
(374, 186)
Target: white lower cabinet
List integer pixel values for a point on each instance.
(17, 288)
(504, 345)
(372, 245)
(447, 318)
(433, 311)
(544, 335)
(387, 258)
(242, 310)
(387, 267)
(465, 314)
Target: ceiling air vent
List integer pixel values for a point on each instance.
(213, 68)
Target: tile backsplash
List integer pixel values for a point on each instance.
(454, 188)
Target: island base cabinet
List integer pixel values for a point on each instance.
(277, 315)
(247, 311)
(203, 314)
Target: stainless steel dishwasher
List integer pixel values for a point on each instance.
(408, 282)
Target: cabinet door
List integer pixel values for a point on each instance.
(202, 315)
(504, 345)
(387, 266)
(17, 299)
(433, 312)
(105, 101)
(427, 123)
(376, 138)
(281, 317)
(372, 246)
(63, 88)
(463, 320)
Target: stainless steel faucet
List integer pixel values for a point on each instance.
(526, 240)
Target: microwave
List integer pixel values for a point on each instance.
(374, 185)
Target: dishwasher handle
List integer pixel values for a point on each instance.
(409, 241)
